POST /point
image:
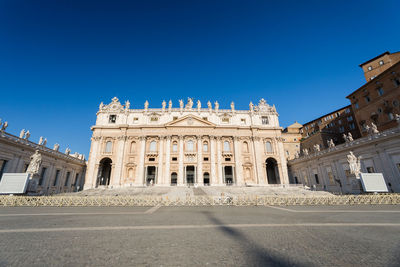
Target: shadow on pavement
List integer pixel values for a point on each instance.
(257, 255)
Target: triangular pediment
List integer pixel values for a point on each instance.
(190, 121)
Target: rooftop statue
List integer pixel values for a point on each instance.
(232, 106)
(56, 147)
(146, 105)
(169, 104)
(331, 144)
(181, 103)
(127, 104)
(354, 164)
(189, 104)
(4, 126)
(164, 104)
(40, 140)
(216, 105)
(317, 148)
(22, 133)
(27, 135)
(251, 106)
(198, 105)
(44, 142)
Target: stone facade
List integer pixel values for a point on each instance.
(59, 172)
(292, 136)
(377, 65)
(329, 168)
(186, 145)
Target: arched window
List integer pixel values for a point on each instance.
(268, 147)
(205, 146)
(227, 147)
(175, 147)
(190, 145)
(108, 147)
(133, 145)
(245, 147)
(153, 146)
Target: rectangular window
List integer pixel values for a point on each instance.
(174, 147)
(152, 159)
(316, 178)
(56, 178)
(350, 118)
(135, 120)
(356, 106)
(174, 118)
(352, 126)
(67, 179)
(380, 91)
(174, 159)
(341, 129)
(205, 159)
(264, 120)
(42, 176)
(347, 110)
(227, 159)
(367, 99)
(112, 118)
(205, 118)
(243, 121)
(225, 120)
(153, 119)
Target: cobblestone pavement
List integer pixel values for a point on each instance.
(198, 236)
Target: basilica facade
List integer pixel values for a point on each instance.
(186, 145)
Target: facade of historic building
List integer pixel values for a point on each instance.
(186, 145)
(329, 168)
(58, 173)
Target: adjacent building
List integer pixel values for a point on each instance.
(291, 137)
(188, 145)
(59, 172)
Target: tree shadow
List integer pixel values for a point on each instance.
(257, 255)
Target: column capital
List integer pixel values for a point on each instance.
(236, 138)
(122, 137)
(168, 137)
(142, 138)
(181, 137)
(218, 138)
(199, 137)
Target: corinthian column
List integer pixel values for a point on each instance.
(199, 161)
(91, 174)
(180, 166)
(167, 174)
(238, 161)
(160, 161)
(219, 161)
(213, 178)
(140, 170)
(117, 176)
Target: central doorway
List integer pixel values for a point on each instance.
(206, 178)
(104, 174)
(190, 175)
(174, 178)
(272, 171)
(228, 173)
(151, 175)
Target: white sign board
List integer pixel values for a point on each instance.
(373, 182)
(14, 183)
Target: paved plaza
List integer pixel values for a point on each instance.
(214, 236)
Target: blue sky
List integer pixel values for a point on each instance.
(60, 59)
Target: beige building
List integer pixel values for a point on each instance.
(59, 172)
(291, 137)
(186, 145)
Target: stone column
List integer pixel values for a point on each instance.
(281, 152)
(167, 175)
(254, 161)
(91, 174)
(140, 170)
(258, 160)
(199, 160)
(180, 166)
(213, 176)
(117, 175)
(160, 161)
(219, 161)
(238, 161)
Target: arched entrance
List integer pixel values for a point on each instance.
(151, 175)
(206, 178)
(190, 174)
(174, 178)
(272, 171)
(228, 173)
(104, 173)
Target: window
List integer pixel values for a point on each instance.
(154, 119)
(76, 179)
(205, 146)
(316, 178)
(380, 91)
(340, 122)
(42, 175)
(133, 145)
(381, 62)
(367, 99)
(135, 120)
(174, 118)
(347, 110)
(356, 105)
(174, 159)
(227, 146)
(205, 118)
(245, 147)
(175, 147)
(341, 129)
(225, 120)
(56, 178)
(350, 118)
(243, 121)
(264, 120)
(379, 110)
(67, 179)
(112, 118)
(153, 146)
(190, 145)
(108, 147)
(227, 159)
(152, 159)
(205, 159)
(370, 170)
(352, 126)
(369, 67)
(268, 147)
